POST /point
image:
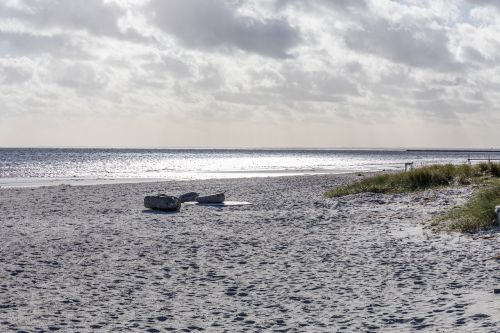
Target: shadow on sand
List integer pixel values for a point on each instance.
(159, 212)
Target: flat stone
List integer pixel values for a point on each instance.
(222, 204)
(211, 199)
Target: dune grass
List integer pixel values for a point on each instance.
(477, 214)
(420, 179)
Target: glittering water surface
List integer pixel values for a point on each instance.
(180, 164)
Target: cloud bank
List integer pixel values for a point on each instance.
(299, 70)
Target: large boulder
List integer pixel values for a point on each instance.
(190, 196)
(162, 202)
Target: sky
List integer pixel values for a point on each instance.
(250, 73)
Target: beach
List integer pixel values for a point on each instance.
(93, 259)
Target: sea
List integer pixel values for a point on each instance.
(48, 166)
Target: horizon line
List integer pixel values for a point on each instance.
(409, 149)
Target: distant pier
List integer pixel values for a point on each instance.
(453, 151)
(469, 153)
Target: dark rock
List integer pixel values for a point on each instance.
(190, 196)
(496, 291)
(162, 202)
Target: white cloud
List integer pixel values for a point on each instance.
(285, 62)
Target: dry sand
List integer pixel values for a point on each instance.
(90, 258)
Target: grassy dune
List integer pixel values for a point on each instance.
(421, 179)
(477, 214)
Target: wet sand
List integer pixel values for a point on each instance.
(92, 259)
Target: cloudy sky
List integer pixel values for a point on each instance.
(250, 73)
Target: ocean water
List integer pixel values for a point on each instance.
(59, 165)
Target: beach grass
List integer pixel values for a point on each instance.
(421, 179)
(477, 214)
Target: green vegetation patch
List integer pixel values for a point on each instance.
(420, 179)
(477, 214)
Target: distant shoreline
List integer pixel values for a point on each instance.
(452, 151)
(9, 183)
(398, 149)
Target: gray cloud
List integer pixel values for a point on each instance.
(345, 4)
(80, 76)
(94, 16)
(15, 73)
(494, 3)
(27, 44)
(216, 25)
(313, 86)
(429, 93)
(451, 110)
(473, 55)
(167, 65)
(294, 86)
(418, 46)
(50, 27)
(159, 72)
(339, 5)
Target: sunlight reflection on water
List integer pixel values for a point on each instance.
(182, 164)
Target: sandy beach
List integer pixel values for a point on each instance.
(93, 259)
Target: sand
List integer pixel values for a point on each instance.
(92, 259)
